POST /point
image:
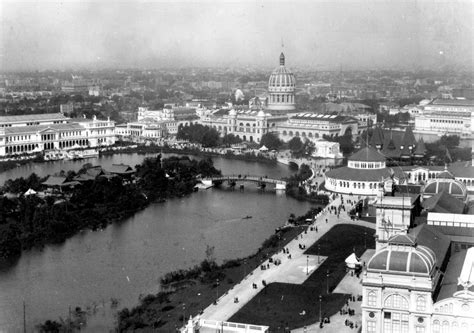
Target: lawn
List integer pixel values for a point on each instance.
(280, 305)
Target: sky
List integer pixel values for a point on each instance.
(370, 34)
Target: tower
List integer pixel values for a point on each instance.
(393, 216)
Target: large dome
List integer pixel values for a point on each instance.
(403, 255)
(281, 88)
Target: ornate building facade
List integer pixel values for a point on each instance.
(421, 277)
(446, 116)
(32, 134)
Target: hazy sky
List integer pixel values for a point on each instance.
(317, 34)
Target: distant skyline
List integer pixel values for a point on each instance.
(406, 35)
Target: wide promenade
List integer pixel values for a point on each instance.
(294, 270)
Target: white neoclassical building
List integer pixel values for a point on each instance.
(446, 116)
(31, 134)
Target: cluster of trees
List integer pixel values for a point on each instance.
(271, 141)
(299, 148)
(393, 120)
(29, 221)
(205, 135)
(296, 189)
(447, 150)
(346, 143)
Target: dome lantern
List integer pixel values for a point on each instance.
(282, 59)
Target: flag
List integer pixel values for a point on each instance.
(448, 156)
(392, 173)
(386, 223)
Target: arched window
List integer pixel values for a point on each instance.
(372, 298)
(396, 301)
(445, 327)
(370, 185)
(316, 135)
(421, 303)
(310, 134)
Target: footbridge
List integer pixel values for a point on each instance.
(261, 181)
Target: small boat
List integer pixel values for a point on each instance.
(247, 217)
(284, 227)
(90, 153)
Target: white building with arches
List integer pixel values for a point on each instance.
(247, 124)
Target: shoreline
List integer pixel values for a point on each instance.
(6, 165)
(81, 210)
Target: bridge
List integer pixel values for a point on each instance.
(233, 179)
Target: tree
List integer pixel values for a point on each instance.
(450, 141)
(309, 147)
(230, 139)
(271, 141)
(295, 144)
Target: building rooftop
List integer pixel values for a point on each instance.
(367, 154)
(40, 128)
(456, 102)
(443, 202)
(369, 175)
(33, 117)
(457, 264)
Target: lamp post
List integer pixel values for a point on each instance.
(319, 251)
(365, 240)
(307, 263)
(245, 268)
(320, 299)
(327, 281)
(217, 290)
(184, 314)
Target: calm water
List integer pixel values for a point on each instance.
(127, 259)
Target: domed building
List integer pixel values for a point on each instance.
(364, 174)
(281, 89)
(418, 283)
(445, 182)
(405, 257)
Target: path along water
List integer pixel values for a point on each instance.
(127, 259)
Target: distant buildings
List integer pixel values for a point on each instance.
(276, 112)
(30, 134)
(446, 116)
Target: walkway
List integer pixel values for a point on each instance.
(292, 270)
(248, 178)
